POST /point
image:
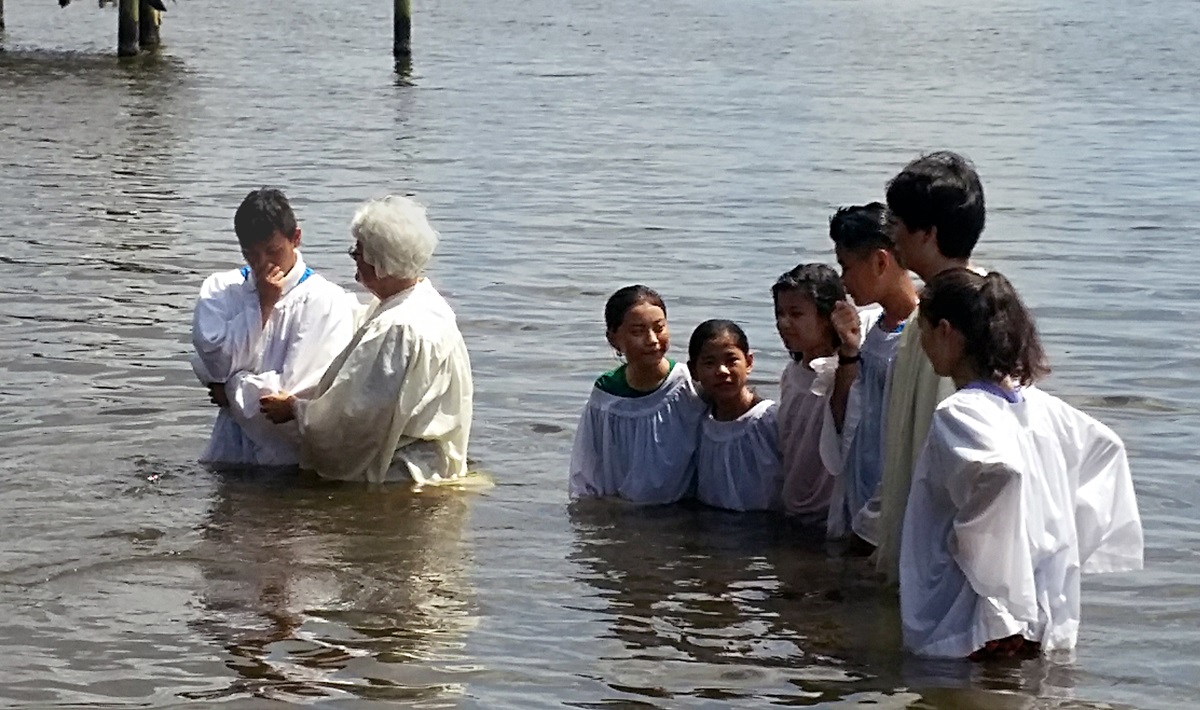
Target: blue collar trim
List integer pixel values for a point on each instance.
(245, 270)
(898, 329)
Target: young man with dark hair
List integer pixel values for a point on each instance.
(872, 274)
(268, 326)
(937, 209)
(937, 213)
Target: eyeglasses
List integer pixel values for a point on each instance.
(355, 251)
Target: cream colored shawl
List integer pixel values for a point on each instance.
(915, 391)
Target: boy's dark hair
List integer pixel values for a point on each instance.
(710, 329)
(264, 212)
(1000, 336)
(623, 299)
(940, 190)
(862, 228)
(819, 282)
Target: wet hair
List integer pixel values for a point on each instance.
(264, 212)
(940, 190)
(713, 329)
(623, 299)
(1000, 336)
(862, 228)
(819, 282)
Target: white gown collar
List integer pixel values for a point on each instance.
(291, 281)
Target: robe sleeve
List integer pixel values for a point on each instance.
(829, 443)
(1107, 521)
(351, 430)
(326, 326)
(585, 458)
(988, 539)
(224, 334)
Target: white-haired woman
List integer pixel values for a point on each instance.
(396, 404)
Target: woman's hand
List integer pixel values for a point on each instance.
(279, 407)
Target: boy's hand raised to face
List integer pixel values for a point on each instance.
(270, 288)
(845, 322)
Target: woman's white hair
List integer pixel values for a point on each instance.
(396, 238)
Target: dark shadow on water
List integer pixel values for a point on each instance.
(315, 589)
(404, 72)
(100, 140)
(26, 66)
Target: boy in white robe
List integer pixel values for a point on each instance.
(937, 208)
(1015, 493)
(872, 273)
(271, 325)
(397, 403)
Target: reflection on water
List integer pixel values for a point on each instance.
(772, 614)
(702, 591)
(317, 589)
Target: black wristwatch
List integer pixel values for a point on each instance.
(849, 359)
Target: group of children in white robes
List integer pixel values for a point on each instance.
(913, 426)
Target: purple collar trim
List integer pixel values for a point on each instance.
(1012, 396)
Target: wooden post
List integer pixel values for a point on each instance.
(402, 39)
(1, 15)
(148, 21)
(127, 28)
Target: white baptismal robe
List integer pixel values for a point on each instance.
(738, 462)
(803, 402)
(835, 445)
(397, 403)
(312, 321)
(638, 448)
(1010, 502)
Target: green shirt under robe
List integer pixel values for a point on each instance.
(615, 383)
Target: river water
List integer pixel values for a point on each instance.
(565, 149)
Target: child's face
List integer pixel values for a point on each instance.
(722, 368)
(943, 345)
(801, 327)
(642, 337)
(277, 251)
(861, 273)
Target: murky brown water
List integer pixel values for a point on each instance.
(565, 149)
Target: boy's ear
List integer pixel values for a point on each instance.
(944, 328)
(295, 240)
(880, 260)
(749, 361)
(930, 238)
(611, 344)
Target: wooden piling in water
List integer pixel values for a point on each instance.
(402, 30)
(127, 28)
(1, 15)
(148, 22)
